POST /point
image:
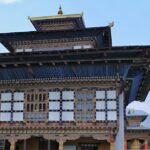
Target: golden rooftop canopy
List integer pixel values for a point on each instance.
(58, 22)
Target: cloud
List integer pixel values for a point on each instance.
(9, 1)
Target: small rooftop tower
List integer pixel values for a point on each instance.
(58, 22)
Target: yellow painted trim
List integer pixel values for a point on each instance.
(55, 17)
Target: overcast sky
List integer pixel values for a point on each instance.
(131, 17)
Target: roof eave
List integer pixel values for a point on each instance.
(55, 17)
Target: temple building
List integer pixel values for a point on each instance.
(65, 87)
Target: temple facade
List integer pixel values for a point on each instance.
(65, 87)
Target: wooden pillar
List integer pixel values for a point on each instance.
(24, 144)
(12, 144)
(135, 144)
(61, 145)
(112, 146)
(112, 142)
(125, 144)
(49, 144)
(99, 147)
(145, 145)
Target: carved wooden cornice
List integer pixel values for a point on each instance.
(55, 130)
(13, 138)
(100, 136)
(142, 135)
(28, 43)
(61, 137)
(114, 81)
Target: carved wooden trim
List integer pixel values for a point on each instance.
(141, 135)
(60, 138)
(100, 137)
(15, 138)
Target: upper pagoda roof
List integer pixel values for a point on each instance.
(58, 22)
(101, 35)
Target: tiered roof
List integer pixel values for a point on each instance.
(58, 22)
(131, 63)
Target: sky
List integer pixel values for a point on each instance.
(131, 17)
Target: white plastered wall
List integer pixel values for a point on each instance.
(119, 140)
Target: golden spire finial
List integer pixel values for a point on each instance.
(60, 12)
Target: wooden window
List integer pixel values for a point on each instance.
(32, 107)
(5, 106)
(28, 107)
(68, 105)
(11, 102)
(101, 116)
(36, 109)
(44, 97)
(87, 46)
(100, 94)
(40, 107)
(84, 105)
(77, 47)
(111, 94)
(36, 96)
(5, 116)
(106, 105)
(28, 97)
(54, 95)
(54, 116)
(40, 97)
(6, 96)
(112, 115)
(111, 105)
(18, 116)
(67, 116)
(32, 97)
(18, 106)
(54, 105)
(44, 107)
(67, 95)
(100, 105)
(18, 96)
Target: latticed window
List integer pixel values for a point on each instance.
(11, 106)
(36, 106)
(106, 105)
(85, 105)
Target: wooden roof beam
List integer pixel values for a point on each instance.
(79, 62)
(40, 64)
(65, 62)
(16, 65)
(28, 64)
(131, 61)
(92, 62)
(53, 63)
(4, 65)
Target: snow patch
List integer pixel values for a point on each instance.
(137, 108)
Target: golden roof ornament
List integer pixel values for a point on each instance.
(60, 12)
